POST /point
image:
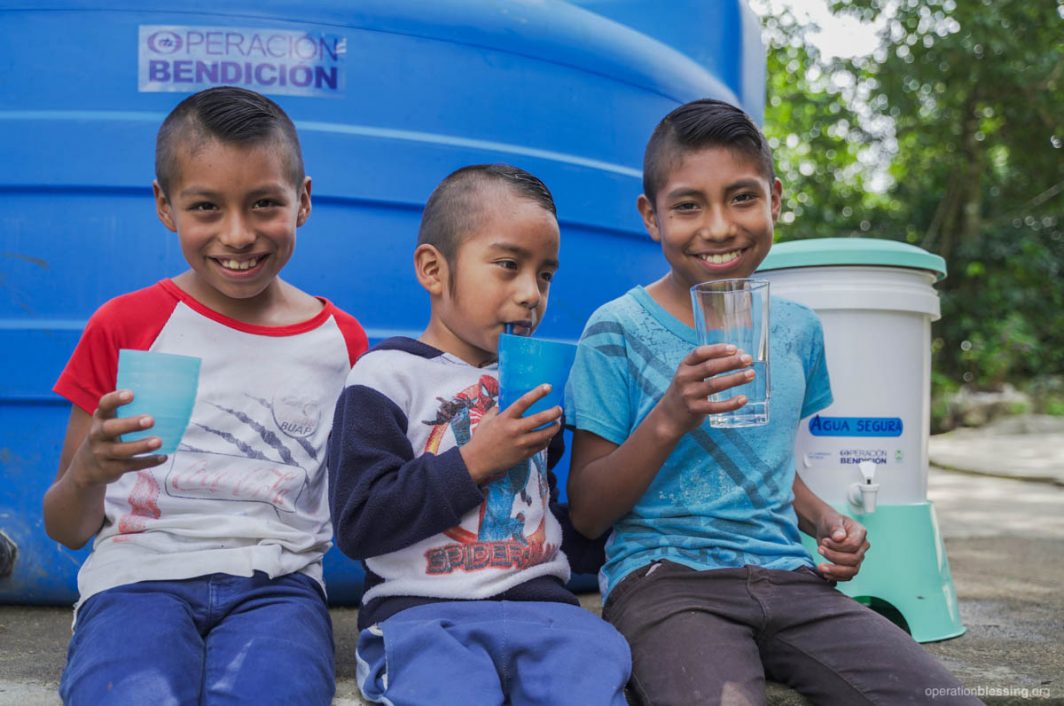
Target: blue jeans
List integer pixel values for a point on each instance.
(493, 652)
(214, 639)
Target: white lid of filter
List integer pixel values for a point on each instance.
(821, 252)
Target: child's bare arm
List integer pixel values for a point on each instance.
(92, 457)
(505, 438)
(606, 480)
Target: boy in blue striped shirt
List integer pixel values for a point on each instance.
(705, 572)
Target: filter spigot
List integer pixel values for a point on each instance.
(868, 470)
(862, 496)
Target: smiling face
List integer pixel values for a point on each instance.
(235, 211)
(714, 218)
(500, 275)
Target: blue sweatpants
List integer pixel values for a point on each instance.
(493, 652)
(211, 640)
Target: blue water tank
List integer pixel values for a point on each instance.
(389, 97)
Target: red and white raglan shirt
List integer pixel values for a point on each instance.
(247, 488)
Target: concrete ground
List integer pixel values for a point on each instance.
(1004, 537)
(1005, 449)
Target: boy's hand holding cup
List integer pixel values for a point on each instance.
(164, 386)
(505, 438)
(532, 377)
(105, 457)
(143, 420)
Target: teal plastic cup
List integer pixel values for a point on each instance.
(525, 363)
(164, 387)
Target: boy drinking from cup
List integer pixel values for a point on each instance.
(449, 501)
(205, 580)
(705, 573)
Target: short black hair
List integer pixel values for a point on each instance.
(455, 206)
(230, 115)
(696, 126)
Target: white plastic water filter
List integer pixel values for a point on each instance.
(877, 337)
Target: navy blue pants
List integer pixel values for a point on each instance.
(712, 637)
(215, 639)
(493, 652)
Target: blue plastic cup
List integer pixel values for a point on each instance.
(525, 363)
(164, 387)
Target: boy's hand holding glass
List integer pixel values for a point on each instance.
(699, 376)
(503, 439)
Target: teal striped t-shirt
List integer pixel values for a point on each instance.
(723, 498)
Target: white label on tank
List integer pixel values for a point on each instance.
(186, 59)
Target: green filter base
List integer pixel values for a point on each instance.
(905, 575)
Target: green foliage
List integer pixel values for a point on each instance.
(966, 97)
(815, 136)
(1055, 407)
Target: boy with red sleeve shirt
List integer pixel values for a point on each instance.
(205, 579)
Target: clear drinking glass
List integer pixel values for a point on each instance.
(736, 311)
